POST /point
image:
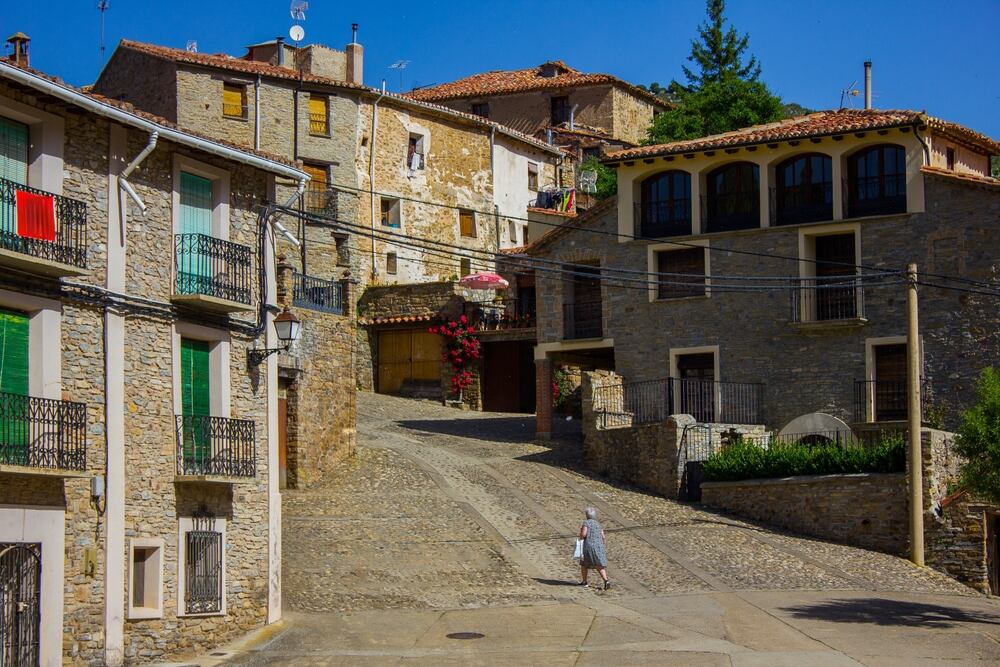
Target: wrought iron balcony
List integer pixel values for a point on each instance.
(729, 211)
(885, 400)
(67, 245)
(795, 204)
(326, 296)
(42, 433)
(829, 299)
(583, 320)
(875, 195)
(652, 401)
(660, 219)
(216, 447)
(209, 267)
(320, 200)
(501, 314)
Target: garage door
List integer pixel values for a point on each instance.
(407, 355)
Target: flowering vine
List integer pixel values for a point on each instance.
(461, 347)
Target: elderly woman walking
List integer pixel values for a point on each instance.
(592, 535)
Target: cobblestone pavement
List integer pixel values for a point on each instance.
(452, 521)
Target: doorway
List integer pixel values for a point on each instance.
(993, 552)
(508, 377)
(696, 385)
(889, 388)
(20, 603)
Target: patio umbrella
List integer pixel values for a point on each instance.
(483, 281)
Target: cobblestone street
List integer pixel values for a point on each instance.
(456, 522)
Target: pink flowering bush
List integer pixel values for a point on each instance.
(461, 348)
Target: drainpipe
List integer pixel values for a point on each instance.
(256, 114)
(572, 117)
(122, 177)
(371, 172)
(291, 200)
(916, 132)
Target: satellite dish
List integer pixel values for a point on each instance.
(296, 33)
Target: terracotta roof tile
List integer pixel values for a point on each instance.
(968, 178)
(397, 319)
(822, 123)
(503, 82)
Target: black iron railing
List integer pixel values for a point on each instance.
(875, 195)
(730, 211)
(582, 320)
(657, 219)
(42, 432)
(651, 401)
(885, 400)
(632, 403)
(500, 314)
(795, 204)
(70, 243)
(828, 299)
(203, 576)
(216, 446)
(320, 201)
(319, 123)
(213, 267)
(318, 294)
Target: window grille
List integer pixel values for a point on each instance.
(203, 582)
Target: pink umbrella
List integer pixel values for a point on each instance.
(483, 281)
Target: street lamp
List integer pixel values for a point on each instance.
(287, 326)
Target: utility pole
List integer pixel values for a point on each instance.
(915, 458)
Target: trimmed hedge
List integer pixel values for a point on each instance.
(745, 460)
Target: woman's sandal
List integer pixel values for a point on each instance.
(607, 585)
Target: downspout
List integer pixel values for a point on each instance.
(493, 179)
(256, 114)
(922, 120)
(122, 177)
(371, 173)
(572, 117)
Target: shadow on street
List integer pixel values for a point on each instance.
(890, 612)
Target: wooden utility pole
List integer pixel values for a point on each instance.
(915, 458)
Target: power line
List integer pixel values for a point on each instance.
(959, 289)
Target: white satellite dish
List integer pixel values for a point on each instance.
(296, 33)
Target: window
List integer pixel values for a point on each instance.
(664, 207)
(13, 152)
(949, 156)
(467, 223)
(733, 198)
(804, 190)
(415, 153)
(687, 261)
(203, 569)
(532, 176)
(317, 195)
(194, 256)
(15, 428)
(560, 110)
(836, 277)
(877, 181)
(481, 109)
(145, 599)
(465, 267)
(234, 100)
(390, 263)
(390, 211)
(512, 232)
(319, 115)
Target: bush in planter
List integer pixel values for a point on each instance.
(744, 459)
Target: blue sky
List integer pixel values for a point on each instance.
(928, 54)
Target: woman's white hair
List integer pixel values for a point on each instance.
(590, 512)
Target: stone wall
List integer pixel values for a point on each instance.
(866, 510)
(157, 93)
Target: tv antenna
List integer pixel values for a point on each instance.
(848, 93)
(192, 46)
(588, 181)
(298, 9)
(400, 65)
(102, 6)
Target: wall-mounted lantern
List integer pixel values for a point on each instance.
(288, 327)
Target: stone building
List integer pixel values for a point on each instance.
(588, 112)
(139, 505)
(832, 207)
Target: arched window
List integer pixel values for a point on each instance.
(803, 190)
(733, 198)
(876, 182)
(664, 207)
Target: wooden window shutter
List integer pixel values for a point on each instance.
(13, 352)
(196, 393)
(317, 176)
(467, 223)
(690, 261)
(13, 151)
(319, 109)
(234, 103)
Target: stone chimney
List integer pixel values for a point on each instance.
(355, 58)
(19, 44)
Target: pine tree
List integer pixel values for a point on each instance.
(719, 53)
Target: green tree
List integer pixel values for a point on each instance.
(796, 109)
(995, 166)
(719, 53)
(979, 440)
(607, 179)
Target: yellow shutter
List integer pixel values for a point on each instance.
(318, 114)
(233, 100)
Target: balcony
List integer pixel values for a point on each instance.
(652, 401)
(212, 274)
(215, 449)
(828, 301)
(64, 253)
(582, 320)
(878, 401)
(325, 296)
(500, 314)
(662, 219)
(875, 195)
(797, 204)
(42, 436)
(321, 201)
(730, 211)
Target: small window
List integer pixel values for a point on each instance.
(465, 267)
(234, 100)
(145, 599)
(532, 176)
(390, 263)
(319, 115)
(949, 155)
(390, 212)
(690, 261)
(467, 223)
(317, 192)
(560, 110)
(512, 232)
(203, 570)
(481, 109)
(415, 153)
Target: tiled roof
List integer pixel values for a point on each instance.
(503, 82)
(967, 178)
(397, 319)
(559, 231)
(822, 123)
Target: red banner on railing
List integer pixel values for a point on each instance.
(36, 216)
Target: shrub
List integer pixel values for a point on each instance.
(744, 459)
(979, 439)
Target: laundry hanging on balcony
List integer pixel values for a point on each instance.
(36, 216)
(556, 199)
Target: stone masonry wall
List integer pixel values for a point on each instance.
(157, 93)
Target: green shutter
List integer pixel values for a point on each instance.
(13, 167)
(14, 426)
(194, 265)
(195, 385)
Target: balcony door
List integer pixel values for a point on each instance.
(889, 388)
(13, 168)
(835, 277)
(14, 413)
(196, 401)
(194, 260)
(697, 385)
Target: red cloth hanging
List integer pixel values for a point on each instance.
(36, 216)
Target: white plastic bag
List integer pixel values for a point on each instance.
(578, 551)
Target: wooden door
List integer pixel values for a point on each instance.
(889, 388)
(425, 355)
(15, 426)
(282, 442)
(834, 259)
(500, 377)
(407, 355)
(697, 385)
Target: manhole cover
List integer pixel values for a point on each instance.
(465, 635)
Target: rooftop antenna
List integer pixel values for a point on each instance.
(192, 46)
(400, 65)
(102, 6)
(298, 9)
(848, 93)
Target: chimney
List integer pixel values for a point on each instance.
(19, 43)
(279, 43)
(355, 58)
(868, 84)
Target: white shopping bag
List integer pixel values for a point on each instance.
(578, 551)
